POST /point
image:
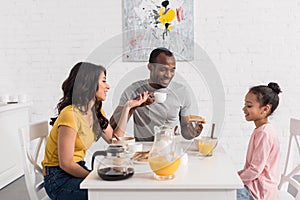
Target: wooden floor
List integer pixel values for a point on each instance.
(15, 191)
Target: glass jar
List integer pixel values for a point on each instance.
(163, 157)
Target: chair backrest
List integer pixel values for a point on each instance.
(32, 140)
(288, 175)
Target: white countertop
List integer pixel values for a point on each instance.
(7, 107)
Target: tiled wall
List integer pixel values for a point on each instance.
(248, 42)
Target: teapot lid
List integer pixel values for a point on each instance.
(115, 149)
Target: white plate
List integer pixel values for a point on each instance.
(139, 162)
(3, 104)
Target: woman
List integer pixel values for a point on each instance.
(80, 122)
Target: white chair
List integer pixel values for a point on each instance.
(288, 177)
(32, 139)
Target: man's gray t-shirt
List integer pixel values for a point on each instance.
(178, 103)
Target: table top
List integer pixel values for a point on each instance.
(215, 172)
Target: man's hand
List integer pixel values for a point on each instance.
(149, 100)
(195, 127)
(195, 124)
(191, 126)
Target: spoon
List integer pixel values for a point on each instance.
(175, 129)
(212, 130)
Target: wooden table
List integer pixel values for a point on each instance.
(199, 178)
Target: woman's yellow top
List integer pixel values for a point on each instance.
(72, 117)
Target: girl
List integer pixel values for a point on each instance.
(261, 173)
(80, 122)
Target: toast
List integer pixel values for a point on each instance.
(195, 118)
(140, 156)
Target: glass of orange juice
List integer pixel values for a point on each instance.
(206, 145)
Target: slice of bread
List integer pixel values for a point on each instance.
(195, 118)
(140, 156)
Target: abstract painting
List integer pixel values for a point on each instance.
(148, 24)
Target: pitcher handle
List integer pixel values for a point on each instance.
(95, 154)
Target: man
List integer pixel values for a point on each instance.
(175, 109)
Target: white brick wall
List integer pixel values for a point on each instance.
(249, 42)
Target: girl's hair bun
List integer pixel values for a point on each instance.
(275, 87)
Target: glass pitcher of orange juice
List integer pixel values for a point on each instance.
(163, 157)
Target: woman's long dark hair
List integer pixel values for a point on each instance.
(79, 89)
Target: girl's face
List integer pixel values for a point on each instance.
(103, 88)
(253, 110)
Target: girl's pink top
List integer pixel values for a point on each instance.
(261, 173)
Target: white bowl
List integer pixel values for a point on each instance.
(123, 140)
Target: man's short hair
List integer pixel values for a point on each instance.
(155, 53)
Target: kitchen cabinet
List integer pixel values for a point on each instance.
(12, 117)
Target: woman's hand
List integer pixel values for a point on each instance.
(127, 110)
(139, 100)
